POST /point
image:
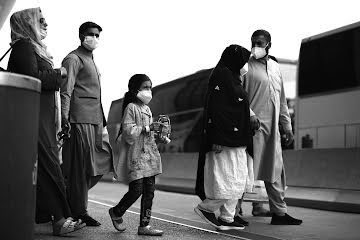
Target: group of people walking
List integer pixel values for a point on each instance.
(73, 145)
(244, 102)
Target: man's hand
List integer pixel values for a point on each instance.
(65, 129)
(63, 72)
(289, 137)
(254, 123)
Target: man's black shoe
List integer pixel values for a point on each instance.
(89, 220)
(228, 226)
(238, 219)
(284, 220)
(208, 217)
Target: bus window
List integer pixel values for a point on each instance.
(329, 63)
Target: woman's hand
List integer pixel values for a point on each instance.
(217, 148)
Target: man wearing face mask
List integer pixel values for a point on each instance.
(265, 89)
(87, 155)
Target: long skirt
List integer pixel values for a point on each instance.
(225, 173)
(51, 197)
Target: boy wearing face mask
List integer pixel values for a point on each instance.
(142, 161)
(87, 155)
(265, 89)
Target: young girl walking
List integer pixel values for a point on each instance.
(142, 161)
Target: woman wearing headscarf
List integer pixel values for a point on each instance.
(222, 167)
(29, 56)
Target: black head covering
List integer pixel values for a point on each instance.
(234, 57)
(223, 108)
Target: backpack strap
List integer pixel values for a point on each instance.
(5, 53)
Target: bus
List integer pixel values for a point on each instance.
(328, 90)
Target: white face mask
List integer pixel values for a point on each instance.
(259, 52)
(145, 96)
(244, 70)
(43, 34)
(90, 42)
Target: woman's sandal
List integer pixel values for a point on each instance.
(79, 224)
(63, 227)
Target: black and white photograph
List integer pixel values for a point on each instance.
(192, 119)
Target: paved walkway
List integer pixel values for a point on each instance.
(174, 214)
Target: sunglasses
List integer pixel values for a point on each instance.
(92, 35)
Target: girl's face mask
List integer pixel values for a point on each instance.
(145, 96)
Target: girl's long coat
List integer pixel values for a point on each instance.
(139, 156)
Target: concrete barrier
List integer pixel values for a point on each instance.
(323, 168)
(179, 172)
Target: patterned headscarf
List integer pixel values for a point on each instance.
(25, 24)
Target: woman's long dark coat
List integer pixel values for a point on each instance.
(51, 195)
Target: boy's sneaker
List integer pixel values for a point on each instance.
(238, 219)
(228, 226)
(208, 217)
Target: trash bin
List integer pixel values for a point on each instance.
(19, 119)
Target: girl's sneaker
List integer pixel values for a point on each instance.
(116, 221)
(149, 231)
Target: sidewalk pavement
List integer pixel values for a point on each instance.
(173, 213)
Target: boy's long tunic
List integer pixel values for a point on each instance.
(88, 154)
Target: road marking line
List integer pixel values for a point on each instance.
(182, 224)
(158, 212)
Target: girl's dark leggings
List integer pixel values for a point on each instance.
(145, 187)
